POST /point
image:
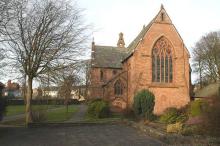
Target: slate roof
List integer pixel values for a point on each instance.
(108, 56)
(112, 57)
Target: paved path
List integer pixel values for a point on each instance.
(93, 135)
(79, 115)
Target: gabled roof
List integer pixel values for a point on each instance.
(113, 57)
(108, 56)
(145, 29)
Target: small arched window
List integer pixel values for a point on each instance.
(114, 72)
(162, 64)
(162, 16)
(101, 75)
(118, 88)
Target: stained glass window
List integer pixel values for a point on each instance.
(162, 65)
(118, 88)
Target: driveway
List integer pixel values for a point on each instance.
(93, 135)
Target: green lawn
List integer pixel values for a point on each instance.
(15, 110)
(20, 109)
(113, 117)
(60, 114)
(54, 115)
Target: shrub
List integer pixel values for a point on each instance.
(212, 118)
(170, 115)
(2, 107)
(98, 109)
(39, 114)
(190, 130)
(144, 104)
(174, 128)
(173, 115)
(129, 114)
(197, 107)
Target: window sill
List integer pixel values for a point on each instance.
(163, 85)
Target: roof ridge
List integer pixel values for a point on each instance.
(110, 47)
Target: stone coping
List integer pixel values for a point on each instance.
(70, 124)
(172, 139)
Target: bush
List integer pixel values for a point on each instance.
(39, 115)
(173, 115)
(129, 114)
(98, 109)
(2, 107)
(191, 130)
(174, 128)
(197, 107)
(212, 118)
(144, 104)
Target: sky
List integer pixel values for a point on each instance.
(192, 18)
(107, 18)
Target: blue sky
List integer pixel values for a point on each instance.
(192, 18)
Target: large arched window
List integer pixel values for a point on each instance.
(118, 88)
(162, 64)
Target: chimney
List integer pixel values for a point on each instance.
(121, 42)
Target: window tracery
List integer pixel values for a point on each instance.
(162, 66)
(118, 88)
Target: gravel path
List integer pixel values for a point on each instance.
(79, 115)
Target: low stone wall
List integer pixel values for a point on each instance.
(174, 139)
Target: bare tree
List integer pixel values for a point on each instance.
(45, 35)
(5, 15)
(67, 79)
(86, 68)
(206, 54)
(2, 63)
(4, 19)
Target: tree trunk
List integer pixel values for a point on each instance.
(67, 108)
(28, 101)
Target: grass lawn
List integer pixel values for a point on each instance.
(60, 115)
(113, 117)
(20, 109)
(14, 110)
(54, 115)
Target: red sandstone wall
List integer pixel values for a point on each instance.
(140, 73)
(96, 82)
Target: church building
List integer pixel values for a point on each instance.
(156, 59)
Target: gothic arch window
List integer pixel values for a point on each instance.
(162, 62)
(101, 75)
(114, 72)
(118, 88)
(162, 16)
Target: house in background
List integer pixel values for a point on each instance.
(78, 92)
(157, 59)
(12, 90)
(2, 86)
